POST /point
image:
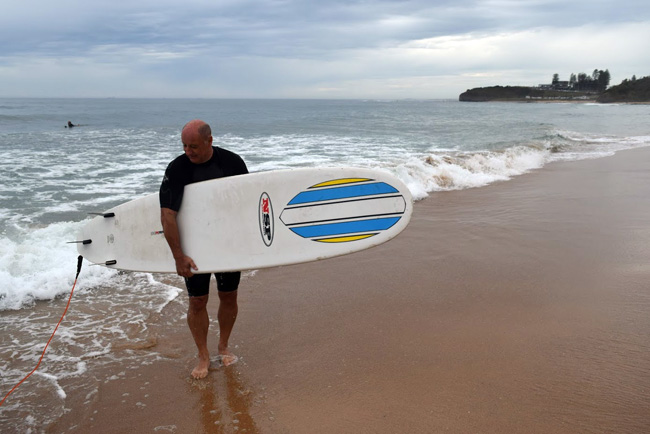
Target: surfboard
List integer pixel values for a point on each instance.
(255, 221)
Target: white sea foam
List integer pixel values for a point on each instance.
(576, 146)
(42, 266)
(55, 382)
(456, 171)
(423, 172)
(170, 292)
(37, 264)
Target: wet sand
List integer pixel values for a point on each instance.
(523, 306)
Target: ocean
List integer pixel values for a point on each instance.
(52, 176)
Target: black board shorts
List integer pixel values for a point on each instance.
(199, 284)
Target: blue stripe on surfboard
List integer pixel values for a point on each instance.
(343, 192)
(346, 227)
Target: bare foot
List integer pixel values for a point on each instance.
(201, 370)
(227, 358)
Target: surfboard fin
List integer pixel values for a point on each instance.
(103, 214)
(80, 242)
(111, 262)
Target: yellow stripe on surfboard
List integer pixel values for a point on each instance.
(340, 182)
(345, 239)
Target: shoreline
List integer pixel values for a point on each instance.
(516, 307)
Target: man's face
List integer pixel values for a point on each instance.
(198, 149)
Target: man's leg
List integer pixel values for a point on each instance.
(198, 321)
(227, 315)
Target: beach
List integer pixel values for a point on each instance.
(517, 307)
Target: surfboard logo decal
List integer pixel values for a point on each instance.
(344, 210)
(266, 219)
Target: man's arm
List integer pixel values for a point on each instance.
(184, 264)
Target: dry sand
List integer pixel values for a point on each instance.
(521, 307)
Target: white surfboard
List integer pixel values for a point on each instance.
(254, 221)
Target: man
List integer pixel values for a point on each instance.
(200, 162)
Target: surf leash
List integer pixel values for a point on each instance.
(79, 262)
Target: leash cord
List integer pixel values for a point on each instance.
(79, 262)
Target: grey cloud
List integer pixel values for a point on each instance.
(239, 47)
(283, 28)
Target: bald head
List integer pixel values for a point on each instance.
(197, 141)
(197, 126)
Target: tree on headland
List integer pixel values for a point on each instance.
(556, 79)
(602, 78)
(597, 82)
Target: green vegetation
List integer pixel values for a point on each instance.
(598, 81)
(628, 91)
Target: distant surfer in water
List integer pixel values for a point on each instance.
(70, 124)
(200, 162)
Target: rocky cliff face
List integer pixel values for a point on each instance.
(496, 93)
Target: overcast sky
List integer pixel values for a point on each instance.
(311, 48)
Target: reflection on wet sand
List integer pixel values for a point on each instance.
(225, 401)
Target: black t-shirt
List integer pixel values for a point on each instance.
(182, 172)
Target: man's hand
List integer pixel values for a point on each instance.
(185, 265)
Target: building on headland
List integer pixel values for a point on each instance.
(559, 85)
